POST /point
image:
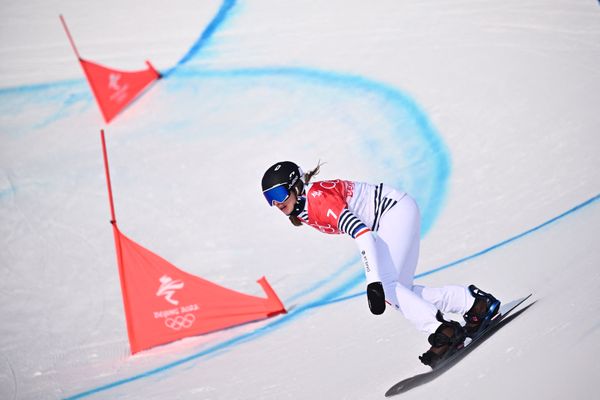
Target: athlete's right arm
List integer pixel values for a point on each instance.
(368, 256)
(364, 239)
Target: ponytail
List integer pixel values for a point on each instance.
(308, 176)
(299, 187)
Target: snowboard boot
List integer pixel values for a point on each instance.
(481, 313)
(448, 338)
(376, 297)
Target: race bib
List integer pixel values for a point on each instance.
(326, 201)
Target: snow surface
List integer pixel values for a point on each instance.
(486, 111)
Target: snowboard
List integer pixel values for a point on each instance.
(503, 317)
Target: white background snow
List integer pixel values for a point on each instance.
(486, 110)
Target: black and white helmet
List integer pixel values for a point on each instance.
(279, 179)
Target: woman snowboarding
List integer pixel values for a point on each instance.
(385, 224)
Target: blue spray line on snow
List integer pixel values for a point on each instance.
(321, 283)
(328, 299)
(222, 14)
(429, 193)
(512, 239)
(488, 249)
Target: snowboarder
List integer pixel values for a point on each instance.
(385, 224)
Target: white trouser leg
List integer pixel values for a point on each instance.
(452, 299)
(398, 252)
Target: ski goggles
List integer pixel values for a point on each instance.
(277, 194)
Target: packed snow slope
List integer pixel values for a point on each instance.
(486, 111)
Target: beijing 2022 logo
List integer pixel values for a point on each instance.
(167, 288)
(176, 318)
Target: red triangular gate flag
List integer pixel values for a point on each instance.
(164, 303)
(115, 89)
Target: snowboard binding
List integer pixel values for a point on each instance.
(448, 338)
(484, 309)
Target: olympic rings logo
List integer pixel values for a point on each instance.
(324, 228)
(180, 322)
(329, 184)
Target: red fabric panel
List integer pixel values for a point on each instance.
(164, 303)
(115, 89)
